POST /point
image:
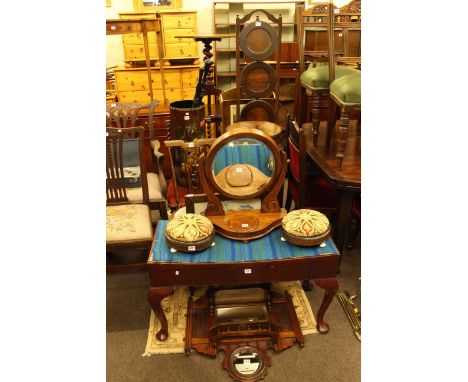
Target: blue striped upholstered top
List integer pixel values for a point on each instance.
(269, 247)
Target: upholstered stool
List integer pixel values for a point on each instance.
(316, 81)
(190, 233)
(345, 92)
(305, 227)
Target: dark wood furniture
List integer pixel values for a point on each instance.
(125, 229)
(347, 37)
(306, 186)
(297, 169)
(235, 320)
(185, 177)
(347, 180)
(258, 41)
(245, 224)
(338, 98)
(165, 275)
(124, 115)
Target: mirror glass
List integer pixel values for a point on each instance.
(243, 166)
(157, 3)
(246, 361)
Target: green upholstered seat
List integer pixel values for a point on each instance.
(317, 78)
(347, 89)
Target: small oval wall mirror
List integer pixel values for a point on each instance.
(246, 361)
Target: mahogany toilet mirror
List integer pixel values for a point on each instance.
(244, 164)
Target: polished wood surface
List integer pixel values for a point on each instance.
(347, 180)
(163, 276)
(325, 157)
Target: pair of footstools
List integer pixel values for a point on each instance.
(194, 233)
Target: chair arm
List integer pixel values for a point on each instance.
(159, 156)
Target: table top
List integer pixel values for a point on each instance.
(267, 248)
(350, 174)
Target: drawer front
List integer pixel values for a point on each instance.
(144, 96)
(189, 78)
(137, 52)
(140, 96)
(181, 50)
(137, 38)
(173, 94)
(172, 79)
(170, 35)
(179, 21)
(136, 80)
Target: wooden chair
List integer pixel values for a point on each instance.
(305, 186)
(185, 178)
(315, 81)
(128, 223)
(345, 91)
(125, 115)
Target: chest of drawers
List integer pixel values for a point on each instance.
(174, 23)
(179, 81)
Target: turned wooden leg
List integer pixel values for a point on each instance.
(315, 117)
(331, 288)
(342, 138)
(155, 296)
(332, 117)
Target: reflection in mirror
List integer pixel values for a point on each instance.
(157, 3)
(243, 166)
(246, 361)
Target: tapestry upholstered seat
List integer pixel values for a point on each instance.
(128, 222)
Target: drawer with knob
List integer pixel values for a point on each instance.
(137, 52)
(179, 21)
(181, 50)
(135, 80)
(137, 38)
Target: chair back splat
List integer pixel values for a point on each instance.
(116, 181)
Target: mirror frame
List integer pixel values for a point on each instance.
(241, 133)
(257, 375)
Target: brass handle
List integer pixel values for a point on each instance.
(181, 51)
(178, 23)
(132, 83)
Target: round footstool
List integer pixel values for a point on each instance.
(190, 233)
(305, 227)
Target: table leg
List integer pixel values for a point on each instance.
(331, 288)
(343, 219)
(155, 296)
